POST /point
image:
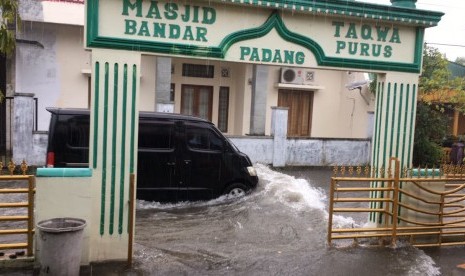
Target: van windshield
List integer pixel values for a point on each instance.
(234, 147)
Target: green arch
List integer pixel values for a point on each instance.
(273, 22)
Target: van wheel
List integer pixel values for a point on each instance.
(236, 190)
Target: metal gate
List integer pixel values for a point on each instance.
(426, 206)
(17, 209)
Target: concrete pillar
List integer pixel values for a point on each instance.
(163, 85)
(395, 112)
(113, 148)
(259, 93)
(24, 125)
(279, 132)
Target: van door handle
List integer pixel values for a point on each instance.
(170, 163)
(187, 162)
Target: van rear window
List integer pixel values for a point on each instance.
(78, 132)
(156, 136)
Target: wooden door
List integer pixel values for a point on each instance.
(300, 111)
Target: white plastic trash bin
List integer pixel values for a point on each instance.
(60, 243)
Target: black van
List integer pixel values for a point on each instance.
(180, 158)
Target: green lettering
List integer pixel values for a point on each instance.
(186, 16)
(144, 29)
(352, 32)
(266, 55)
(171, 11)
(382, 34)
(364, 47)
(366, 32)
(159, 30)
(195, 17)
(128, 5)
(130, 26)
(245, 51)
(340, 45)
(395, 38)
(338, 26)
(175, 31)
(376, 50)
(254, 56)
(300, 58)
(188, 34)
(289, 57)
(201, 34)
(387, 51)
(277, 57)
(209, 15)
(153, 12)
(353, 46)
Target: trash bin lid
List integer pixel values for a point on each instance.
(56, 225)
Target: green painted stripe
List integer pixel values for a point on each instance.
(123, 150)
(412, 123)
(379, 112)
(385, 144)
(399, 124)
(96, 114)
(386, 124)
(113, 147)
(393, 122)
(104, 150)
(133, 118)
(406, 116)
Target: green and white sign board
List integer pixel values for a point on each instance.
(333, 33)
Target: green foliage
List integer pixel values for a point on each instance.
(431, 128)
(9, 11)
(432, 123)
(10, 17)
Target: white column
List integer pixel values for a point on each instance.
(113, 148)
(393, 133)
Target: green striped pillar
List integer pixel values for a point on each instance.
(395, 112)
(113, 148)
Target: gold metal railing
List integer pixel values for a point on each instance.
(27, 204)
(426, 206)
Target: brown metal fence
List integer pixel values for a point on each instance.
(17, 215)
(425, 206)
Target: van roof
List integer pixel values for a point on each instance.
(143, 114)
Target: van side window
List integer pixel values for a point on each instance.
(156, 136)
(78, 132)
(203, 139)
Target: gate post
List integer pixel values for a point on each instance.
(395, 112)
(279, 131)
(113, 148)
(24, 125)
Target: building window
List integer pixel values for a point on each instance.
(196, 100)
(172, 92)
(223, 109)
(198, 71)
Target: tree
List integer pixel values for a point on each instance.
(9, 11)
(438, 91)
(460, 60)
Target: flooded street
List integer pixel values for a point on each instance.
(279, 229)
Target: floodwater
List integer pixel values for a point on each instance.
(278, 229)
